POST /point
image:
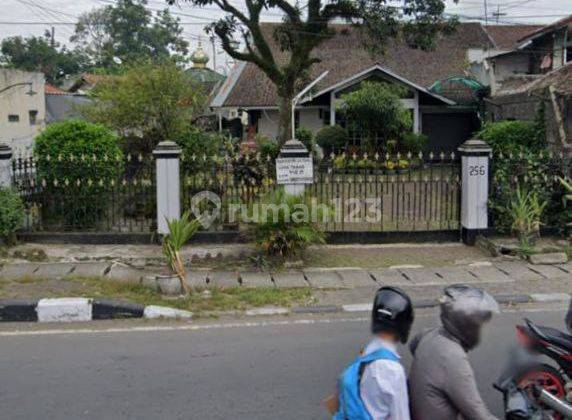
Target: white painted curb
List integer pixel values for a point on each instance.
(358, 307)
(267, 311)
(64, 310)
(154, 312)
(550, 297)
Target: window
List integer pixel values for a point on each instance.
(33, 115)
(13, 118)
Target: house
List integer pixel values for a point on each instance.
(62, 105)
(249, 94)
(22, 108)
(541, 81)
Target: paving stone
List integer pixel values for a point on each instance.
(550, 297)
(550, 271)
(452, 275)
(14, 271)
(125, 273)
(388, 277)
(256, 280)
(223, 279)
(197, 279)
(421, 275)
(53, 270)
(566, 267)
(357, 278)
(90, 269)
(290, 279)
(325, 280)
(549, 258)
(518, 270)
(490, 275)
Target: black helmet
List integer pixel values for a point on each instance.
(393, 312)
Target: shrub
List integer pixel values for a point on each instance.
(526, 211)
(198, 143)
(11, 214)
(512, 136)
(269, 148)
(306, 136)
(332, 138)
(284, 227)
(78, 151)
(414, 142)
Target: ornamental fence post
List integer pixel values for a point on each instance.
(167, 155)
(475, 160)
(294, 167)
(5, 172)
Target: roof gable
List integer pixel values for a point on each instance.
(506, 37)
(344, 56)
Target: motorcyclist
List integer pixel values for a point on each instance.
(441, 380)
(375, 385)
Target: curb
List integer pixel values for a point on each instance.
(81, 310)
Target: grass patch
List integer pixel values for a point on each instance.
(235, 298)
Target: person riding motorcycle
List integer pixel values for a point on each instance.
(441, 380)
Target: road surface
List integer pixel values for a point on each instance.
(268, 368)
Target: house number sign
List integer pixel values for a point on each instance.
(294, 170)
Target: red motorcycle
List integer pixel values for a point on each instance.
(553, 378)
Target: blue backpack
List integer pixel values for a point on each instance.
(351, 406)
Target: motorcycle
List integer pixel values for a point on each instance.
(546, 386)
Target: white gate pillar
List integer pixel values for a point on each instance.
(167, 155)
(294, 167)
(475, 157)
(5, 172)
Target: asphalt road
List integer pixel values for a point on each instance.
(278, 370)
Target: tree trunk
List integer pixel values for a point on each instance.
(285, 118)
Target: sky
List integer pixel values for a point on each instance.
(33, 17)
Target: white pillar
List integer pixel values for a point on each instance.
(332, 108)
(475, 156)
(5, 172)
(416, 119)
(294, 167)
(167, 156)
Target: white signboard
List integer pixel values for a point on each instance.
(475, 192)
(294, 170)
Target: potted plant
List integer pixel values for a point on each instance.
(180, 232)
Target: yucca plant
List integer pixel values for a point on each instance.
(284, 226)
(180, 232)
(567, 198)
(526, 212)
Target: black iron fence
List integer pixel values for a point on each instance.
(537, 173)
(378, 193)
(87, 193)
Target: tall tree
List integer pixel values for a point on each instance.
(40, 54)
(127, 32)
(306, 25)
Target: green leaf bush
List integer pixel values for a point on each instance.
(77, 162)
(332, 138)
(512, 136)
(282, 229)
(11, 214)
(306, 136)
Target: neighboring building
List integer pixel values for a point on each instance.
(209, 79)
(62, 105)
(83, 83)
(446, 123)
(22, 108)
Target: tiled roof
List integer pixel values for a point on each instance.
(560, 79)
(52, 90)
(548, 28)
(343, 55)
(506, 37)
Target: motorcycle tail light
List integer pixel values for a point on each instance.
(522, 336)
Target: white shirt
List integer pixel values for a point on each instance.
(383, 386)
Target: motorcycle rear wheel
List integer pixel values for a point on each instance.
(546, 377)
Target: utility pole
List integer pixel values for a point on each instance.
(486, 14)
(214, 52)
(498, 14)
(53, 36)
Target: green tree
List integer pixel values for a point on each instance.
(151, 101)
(39, 54)
(306, 25)
(128, 31)
(376, 110)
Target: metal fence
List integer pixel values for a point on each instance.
(378, 193)
(535, 172)
(87, 193)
